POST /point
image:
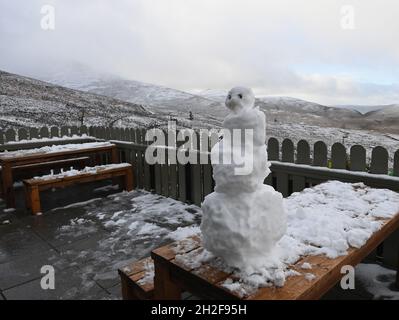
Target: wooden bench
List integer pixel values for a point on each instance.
(35, 185)
(31, 170)
(132, 276)
(10, 160)
(172, 276)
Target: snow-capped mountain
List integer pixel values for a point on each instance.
(28, 102)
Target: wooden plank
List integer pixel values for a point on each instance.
(40, 157)
(182, 180)
(303, 152)
(287, 151)
(164, 287)
(165, 177)
(22, 134)
(379, 160)
(65, 131)
(273, 150)
(140, 171)
(83, 130)
(137, 266)
(173, 181)
(320, 154)
(74, 130)
(338, 156)
(54, 132)
(358, 158)
(147, 176)
(396, 164)
(10, 135)
(33, 133)
(208, 179)
(196, 184)
(158, 178)
(282, 183)
(34, 198)
(298, 183)
(44, 133)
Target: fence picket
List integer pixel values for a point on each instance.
(74, 130)
(320, 154)
(22, 134)
(83, 130)
(287, 151)
(357, 158)
(44, 133)
(303, 152)
(33, 133)
(396, 164)
(54, 132)
(273, 149)
(10, 135)
(379, 161)
(64, 131)
(338, 156)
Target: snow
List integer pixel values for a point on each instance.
(54, 148)
(128, 226)
(306, 265)
(243, 219)
(310, 276)
(327, 219)
(119, 244)
(378, 281)
(53, 139)
(87, 170)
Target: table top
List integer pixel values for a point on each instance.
(328, 226)
(54, 151)
(325, 272)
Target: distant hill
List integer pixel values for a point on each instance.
(28, 102)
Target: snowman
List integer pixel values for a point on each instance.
(243, 218)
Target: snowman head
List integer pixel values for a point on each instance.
(240, 98)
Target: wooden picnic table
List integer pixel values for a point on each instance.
(9, 161)
(172, 277)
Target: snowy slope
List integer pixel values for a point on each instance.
(28, 102)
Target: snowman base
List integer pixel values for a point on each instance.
(243, 228)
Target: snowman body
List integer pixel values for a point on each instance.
(243, 218)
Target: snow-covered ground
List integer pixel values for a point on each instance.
(326, 219)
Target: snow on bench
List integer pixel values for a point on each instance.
(73, 176)
(329, 224)
(53, 139)
(54, 149)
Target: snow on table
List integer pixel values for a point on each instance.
(87, 170)
(54, 149)
(53, 139)
(324, 220)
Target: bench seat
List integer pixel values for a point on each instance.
(89, 174)
(136, 280)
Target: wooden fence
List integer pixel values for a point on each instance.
(319, 154)
(294, 167)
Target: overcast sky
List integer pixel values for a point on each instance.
(294, 48)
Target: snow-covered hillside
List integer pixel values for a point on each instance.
(28, 102)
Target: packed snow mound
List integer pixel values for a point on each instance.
(327, 219)
(243, 219)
